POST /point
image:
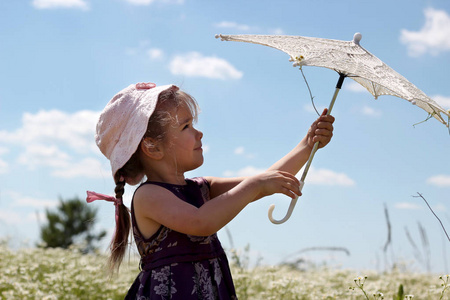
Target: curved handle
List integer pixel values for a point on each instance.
(290, 209)
(308, 164)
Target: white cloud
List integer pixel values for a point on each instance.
(439, 180)
(328, 177)
(140, 2)
(148, 2)
(194, 64)
(52, 4)
(315, 176)
(10, 217)
(36, 155)
(247, 171)
(13, 217)
(371, 112)
(354, 87)
(87, 167)
(155, 53)
(407, 206)
(442, 101)
(440, 207)
(18, 199)
(276, 31)
(143, 48)
(244, 27)
(143, 45)
(4, 167)
(53, 126)
(310, 108)
(3, 150)
(62, 164)
(235, 26)
(58, 140)
(15, 214)
(239, 150)
(433, 37)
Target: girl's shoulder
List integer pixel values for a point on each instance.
(201, 181)
(173, 206)
(150, 189)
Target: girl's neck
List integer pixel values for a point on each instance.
(162, 171)
(172, 179)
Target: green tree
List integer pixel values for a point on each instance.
(72, 222)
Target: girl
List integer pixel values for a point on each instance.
(148, 131)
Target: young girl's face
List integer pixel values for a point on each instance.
(183, 143)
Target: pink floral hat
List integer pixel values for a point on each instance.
(123, 123)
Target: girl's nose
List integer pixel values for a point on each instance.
(199, 134)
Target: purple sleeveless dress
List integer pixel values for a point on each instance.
(180, 266)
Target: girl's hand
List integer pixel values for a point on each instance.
(271, 182)
(321, 130)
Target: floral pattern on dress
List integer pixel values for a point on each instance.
(217, 270)
(204, 188)
(166, 288)
(202, 239)
(180, 266)
(203, 285)
(145, 247)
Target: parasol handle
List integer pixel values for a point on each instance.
(308, 164)
(290, 209)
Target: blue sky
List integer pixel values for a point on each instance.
(62, 60)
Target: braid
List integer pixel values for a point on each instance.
(120, 189)
(120, 240)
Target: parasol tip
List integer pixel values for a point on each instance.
(357, 38)
(220, 36)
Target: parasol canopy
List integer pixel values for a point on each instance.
(351, 60)
(348, 59)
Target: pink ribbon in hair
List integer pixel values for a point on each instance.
(92, 196)
(145, 85)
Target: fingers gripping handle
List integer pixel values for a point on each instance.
(302, 183)
(308, 164)
(290, 210)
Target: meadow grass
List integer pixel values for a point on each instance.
(67, 274)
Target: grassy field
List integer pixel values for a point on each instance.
(67, 274)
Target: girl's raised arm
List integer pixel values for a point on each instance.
(160, 206)
(320, 131)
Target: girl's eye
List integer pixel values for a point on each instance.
(186, 126)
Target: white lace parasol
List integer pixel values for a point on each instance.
(351, 60)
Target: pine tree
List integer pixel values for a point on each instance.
(72, 222)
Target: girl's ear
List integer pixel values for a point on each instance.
(152, 148)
